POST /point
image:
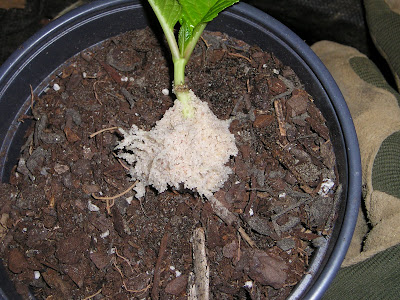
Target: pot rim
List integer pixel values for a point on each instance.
(20, 58)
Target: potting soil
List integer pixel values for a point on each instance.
(61, 240)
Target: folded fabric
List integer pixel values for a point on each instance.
(383, 18)
(372, 267)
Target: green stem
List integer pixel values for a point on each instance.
(181, 91)
(168, 31)
(184, 98)
(193, 40)
(179, 71)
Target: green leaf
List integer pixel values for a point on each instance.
(217, 8)
(168, 12)
(184, 35)
(195, 12)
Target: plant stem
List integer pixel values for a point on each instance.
(179, 71)
(180, 56)
(180, 89)
(169, 33)
(193, 40)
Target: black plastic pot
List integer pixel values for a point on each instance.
(88, 25)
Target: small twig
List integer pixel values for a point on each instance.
(112, 72)
(229, 218)
(124, 258)
(200, 265)
(129, 97)
(205, 42)
(92, 296)
(280, 117)
(303, 253)
(264, 189)
(121, 162)
(32, 97)
(157, 271)
(112, 198)
(247, 238)
(239, 251)
(116, 196)
(95, 93)
(239, 55)
(102, 130)
(222, 211)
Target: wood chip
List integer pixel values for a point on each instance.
(201, 288)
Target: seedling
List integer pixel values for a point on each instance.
(193, 16)
(189, 146)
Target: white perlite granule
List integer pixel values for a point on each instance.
(178, 150)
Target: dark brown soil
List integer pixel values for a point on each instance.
(62, 243)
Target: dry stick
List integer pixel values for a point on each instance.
(92, 296)
(247, 238)
(102, 130)
(112, 72)
(229, 218)
(201, 288)
(107, 199)
(205, 42)
(248, 86)
(280, 117)
(129, 97)
(239, 251)
(95, 93)
(124, 258)
(157, 271)
(191, 287)
(32, 97)
(120, 162)
(239, 55)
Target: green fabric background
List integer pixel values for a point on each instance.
(375, 278)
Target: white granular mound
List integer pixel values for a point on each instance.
(178, 150)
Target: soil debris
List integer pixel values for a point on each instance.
(60, 220)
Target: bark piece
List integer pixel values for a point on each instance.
(201, 287)
(177, 285)
(16, 261)
(264, 268)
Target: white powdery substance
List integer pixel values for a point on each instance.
(189, 151)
